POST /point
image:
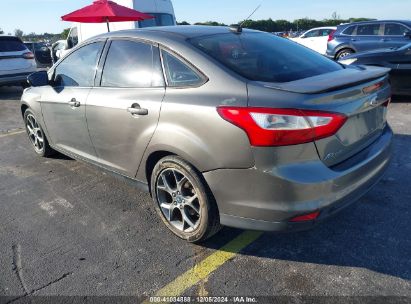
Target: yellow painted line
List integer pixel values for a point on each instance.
(12, 133)
(204, 268)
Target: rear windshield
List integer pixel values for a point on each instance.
(11, 44)
(265, 57)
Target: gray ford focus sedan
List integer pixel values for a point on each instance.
(222, 126)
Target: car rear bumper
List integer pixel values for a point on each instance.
(9, 79)
(266, 200)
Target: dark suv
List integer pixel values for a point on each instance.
(364, 36)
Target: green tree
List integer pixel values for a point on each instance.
(1, 31)
(183, 23)
(18, 33)
(210, 23)
(65, 33)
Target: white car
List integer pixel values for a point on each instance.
(16, 61)
(316, 38)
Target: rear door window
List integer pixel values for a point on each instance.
(78, 69)
(395, 29)
(325, 32)
(11, 44)
(132, 64)
(312, 34)
(368, 29)
(264, 57)
(179, 74)
(349, 30)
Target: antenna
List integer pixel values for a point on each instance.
(256, 9)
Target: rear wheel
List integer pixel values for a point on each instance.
(36, 135)
(183, 200)
(343, 53)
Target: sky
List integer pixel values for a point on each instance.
(41, 16)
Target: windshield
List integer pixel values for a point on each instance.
(159, 20)
(265, 57)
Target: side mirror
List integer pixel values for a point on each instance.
(38, 79)
(407, 34)
(303, 37)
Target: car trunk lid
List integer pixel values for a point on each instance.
(360, 94)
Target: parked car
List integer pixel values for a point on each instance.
(316, 39)
(366, 36)
(41, 52)
(16, 61)
(162, 10)
(56, 50)
(221, 125)
(398, 59)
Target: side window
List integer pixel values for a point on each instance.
(325, 32)
(395, 29)
(349, 30)
(79, 68)
(178, 73)
(72, 40)
(132, 64)
(312, 34)
(368, 30)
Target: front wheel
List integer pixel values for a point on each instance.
(183, 200)
(36, 135)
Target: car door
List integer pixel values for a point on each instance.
(123, 112)
(368, 37)
(64, 101)
(394, 35)
(401, 76)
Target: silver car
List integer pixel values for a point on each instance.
(222, 126)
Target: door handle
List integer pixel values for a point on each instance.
(135, 109)
(74, 103)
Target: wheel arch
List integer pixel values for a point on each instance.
(24, 108)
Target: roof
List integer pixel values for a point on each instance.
(181, 31)
(323, 28)
(408, 22)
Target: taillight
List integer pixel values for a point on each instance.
(373, 88)
(28, 55)
(331, 35)
(306, 217)
(267, 127)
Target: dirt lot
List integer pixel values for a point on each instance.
(69, 229)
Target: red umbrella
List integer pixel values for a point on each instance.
(105, 11)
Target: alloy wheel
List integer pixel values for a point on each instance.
(35, 133)
(178, 200)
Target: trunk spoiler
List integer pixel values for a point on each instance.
(348, 77)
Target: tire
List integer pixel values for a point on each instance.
(183, 200)
(36, 135)
(343, 53)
